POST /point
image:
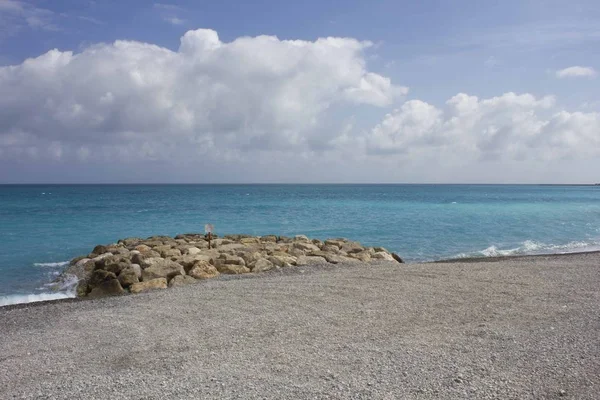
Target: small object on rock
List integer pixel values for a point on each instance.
(128, 277)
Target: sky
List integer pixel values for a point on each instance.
(266, 91)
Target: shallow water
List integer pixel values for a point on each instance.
(42, 226)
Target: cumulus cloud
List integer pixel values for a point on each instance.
(576, 72)
(510, 127)
(137, 100)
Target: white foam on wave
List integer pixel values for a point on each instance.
(52, 264)
(33, 298)
(530, 247)
(64, 289)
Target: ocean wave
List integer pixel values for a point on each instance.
(531, 247)
(33, 298)
(52, 264)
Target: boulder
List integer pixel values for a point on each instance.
(334, 242)
(268, 239)
(188, 261)
(250, 257)
(363, 256)
(262, 265)
(104, 283)
(250, 240)
(306, 246)
(128, 277)
(147, 262)
(162, 269)
(301, 238)
(382, 256)
(297, 252)
(117, 267)
(172, 253)
(100, 250)
(142, 248)
(282, 260)
(137, 269)
(139, 258)
(203, 270)
(130, 242)
(99, 276)
(153, 243)
(231, 247)
(109, 287)
(192, 251)
(310, 260)
(159, 283)
(397, 258)
(330, 249)
(229, 259)
(181, 280)
(232, 269)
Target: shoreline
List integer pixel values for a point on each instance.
(467, 260)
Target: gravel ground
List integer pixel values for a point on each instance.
(507, 329)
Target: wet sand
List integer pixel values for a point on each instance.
(522, 328)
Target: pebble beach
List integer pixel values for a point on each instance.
(523, 327)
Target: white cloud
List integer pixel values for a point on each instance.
(174, 20)
(17, 15)
(132, 100)
(507, 127)
(576, 72)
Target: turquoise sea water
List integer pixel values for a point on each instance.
(43, 226)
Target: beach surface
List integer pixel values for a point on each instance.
(514, 328)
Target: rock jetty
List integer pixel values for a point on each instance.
(137, 265)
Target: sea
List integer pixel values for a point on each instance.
(42, 227)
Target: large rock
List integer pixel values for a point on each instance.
(147, 262)
(250, 240)
(128, 277)
(142, 248)
(262, 265)
(99, 276)
(159, 283)
(268, 239)
(104, 283)
(188, 261)
(306, 246)
(250, 257)
(143, 255)
(138, 270)
(363, 256)
(232, 269)
(162, 269)
(310, 260)
(381, 255)
(203, 270)
(231, 247)
(100, 250)
(282, 260)
(229, 259)
(334, 242)
(192, 251)
(181, 280)
(110, 287)
(172, 253)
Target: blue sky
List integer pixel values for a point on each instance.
(430, 51)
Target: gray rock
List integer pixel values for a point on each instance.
(181, 280)
(262, 265)
(162, 269)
